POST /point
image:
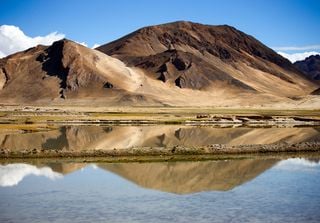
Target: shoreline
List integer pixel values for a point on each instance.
(167, 153)
(166, 116)
(153, 159)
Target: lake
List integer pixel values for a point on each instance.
(252, 189)
(246, 188)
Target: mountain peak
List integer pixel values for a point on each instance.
(215, 47)
(187, 24)
(223, 41)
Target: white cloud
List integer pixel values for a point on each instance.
(293, 57)
(95, 46)
(297, 48)
(12, 174)
(13, 40)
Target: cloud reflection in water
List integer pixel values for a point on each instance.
(12, 174)
(295, 164)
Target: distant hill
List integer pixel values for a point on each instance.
(310, 66)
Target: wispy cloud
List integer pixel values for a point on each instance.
(12, 40)
(297, 48)
(293, 57)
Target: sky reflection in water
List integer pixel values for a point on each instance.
(267, 190)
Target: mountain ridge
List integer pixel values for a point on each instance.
(173, 64)
(223, 43)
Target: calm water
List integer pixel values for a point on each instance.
(79, 138)
(244, 190)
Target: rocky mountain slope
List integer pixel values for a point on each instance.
(63, 71)
(204, 57)
(176, 64)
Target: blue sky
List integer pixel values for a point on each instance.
(277, 23)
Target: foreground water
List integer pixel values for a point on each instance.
(238, 190)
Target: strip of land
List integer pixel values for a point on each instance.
(156, 115)
(215, 149)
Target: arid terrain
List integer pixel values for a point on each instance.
(174, 64)
(180, 73)
(160, 111)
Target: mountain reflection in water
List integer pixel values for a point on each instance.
(243, 190)
(80, 138)
(191, 177)
(173, 177)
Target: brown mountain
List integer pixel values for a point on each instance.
(205, 57)
(310, 66)
(176, 64)
(65, 71)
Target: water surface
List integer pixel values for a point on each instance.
(78, 138)
(238, 190)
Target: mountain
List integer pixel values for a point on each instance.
(65, 70)
(310, 66)
(175, 64)
(204, 57)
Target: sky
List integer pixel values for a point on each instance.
(291, 27)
